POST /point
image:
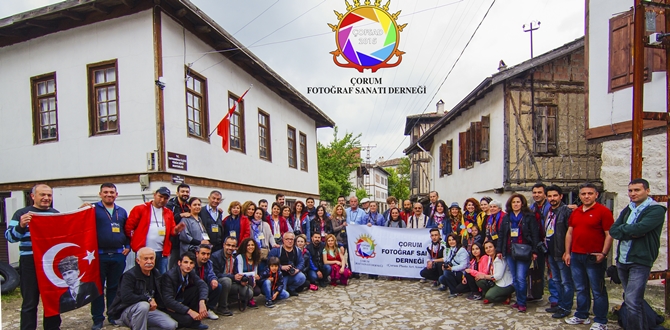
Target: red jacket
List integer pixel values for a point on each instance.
(137, 227)
(245, 228)
(283, 224)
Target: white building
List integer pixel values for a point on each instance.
(115, 90)
(374, 180)
(609, 32)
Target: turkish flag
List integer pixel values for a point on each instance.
(65, 248)
(223, 128)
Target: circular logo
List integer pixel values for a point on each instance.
(365, 247)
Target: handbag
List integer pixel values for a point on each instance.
(522, 252)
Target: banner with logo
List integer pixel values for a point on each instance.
(388, 251)
(65, 249)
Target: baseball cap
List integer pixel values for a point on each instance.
(365, 200)
(164, 191)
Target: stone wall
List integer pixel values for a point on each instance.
(615, 174)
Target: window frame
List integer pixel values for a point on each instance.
(302, 150)
(544, 120)
(35, 100)
(268, 139)
(204, 104)
(292, 143)
(239, 112)
(93, 114)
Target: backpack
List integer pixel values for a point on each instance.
(654, 320)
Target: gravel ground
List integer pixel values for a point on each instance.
(371, 304)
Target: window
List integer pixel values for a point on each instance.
(303, 151)
(264, 150)
(196, 106)
(236, 124)
(545, 129)
(45, 108)
(103, 98)
(377, 178)
(446, 150)
(3, 207)
(291, 147)
(473, 146)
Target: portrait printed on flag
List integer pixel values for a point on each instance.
(65, 249)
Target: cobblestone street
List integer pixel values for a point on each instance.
(365, 303)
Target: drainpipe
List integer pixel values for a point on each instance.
(432, 173)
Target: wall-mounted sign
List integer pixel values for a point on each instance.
(177, 179)
(177, 161)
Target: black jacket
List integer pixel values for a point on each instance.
(133, 289)
(316, 254)
(215, 237)
(316, 226)
(170, 283)
(177, 209)
(219, 264)
(529, 231)
(562, 213)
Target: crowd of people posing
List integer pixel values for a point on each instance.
(193, 262)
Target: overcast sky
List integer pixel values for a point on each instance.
(293, 38)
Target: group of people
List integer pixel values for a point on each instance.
(193, 262)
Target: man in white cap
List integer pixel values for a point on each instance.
(365, 204)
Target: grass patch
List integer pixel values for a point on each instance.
(11, 297)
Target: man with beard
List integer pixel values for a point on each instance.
(185, 294)
(433, 269)
(318, 271)
(205, 270)
(211, 217)
(556, 227)
(279, 199)
(429, 211)
(224, 269)
(139, 298)
(180, 209)
(406, 210)
(342, 201)
(290, 263)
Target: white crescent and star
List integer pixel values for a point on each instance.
(48, 261)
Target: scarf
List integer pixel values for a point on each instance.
(636, 210)
(439, 218)
(492, 225)
(256, 228)
(515, 219)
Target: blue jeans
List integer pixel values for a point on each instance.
(161, 262)
(292, 283)
(561, 277)
(214, 294)
(554, 292)
(451, 280)
(266, 288)
(111, 269)
(519, 271)
(589, 275)
(313, 277)
(634, 280)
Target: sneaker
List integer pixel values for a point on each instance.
(442, 288)
(269, 304)
(97, 326)
(506, 302)
(576, 320)
(477, 297)
(313, 287)
(515, 305)
(211, 315)
(223, 311)
(470, 297)
(113, 322)
(252, 303)
(560, 314)
(553, 309)
(423, 280)
(522, 309)
(486, 302)
(598, 326)
(452, 295)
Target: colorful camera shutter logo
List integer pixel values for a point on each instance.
(365, 247)
(367, 37)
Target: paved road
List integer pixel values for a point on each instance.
(363, 304)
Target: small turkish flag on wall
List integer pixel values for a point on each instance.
(65, 248)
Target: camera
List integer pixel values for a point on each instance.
(244, 279)
(297, 232)
(292, 271)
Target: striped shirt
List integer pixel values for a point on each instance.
(15, 233)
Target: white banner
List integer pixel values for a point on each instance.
(387, 251)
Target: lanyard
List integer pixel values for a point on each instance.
(275, 226)
(352, 213)
(202, 272)
(229, 265)
(551, 220)
(276, 279)
(435, 250)
(110, 217)
(153, 212)
(249, 266)
(200, 224)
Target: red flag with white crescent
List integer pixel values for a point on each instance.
(223, 128)
(65, 249)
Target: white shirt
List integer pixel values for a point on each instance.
(156, 223)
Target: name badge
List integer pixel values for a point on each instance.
(277, 235)
(205, 236)
(215, 228)
(494, 237)
(232, 233)
(161, 231)
(515, 232)
(261, 237)
(550, 232)
(116, 228)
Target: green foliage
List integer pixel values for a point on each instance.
(336, 162)
(399, 180)
(361, 193)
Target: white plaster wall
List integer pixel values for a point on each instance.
(611, 108)
(128, 39)
(615, 174)
(481, 179)
(208, 159)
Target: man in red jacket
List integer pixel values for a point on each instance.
(152, 224)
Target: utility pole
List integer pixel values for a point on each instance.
(638, 89)
(366, 178)
(532, 70)
(531, 29)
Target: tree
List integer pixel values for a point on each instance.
(361, 193)
(399, 180)
(336, 162)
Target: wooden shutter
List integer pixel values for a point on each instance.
(658, 55)
(485, 134)
(462, 154)
(477, 137)
(449, 157)
(552, 129)
(443, 159)
(621, 53)
(540, 129)
(470, 147)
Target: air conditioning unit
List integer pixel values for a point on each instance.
(152, 161)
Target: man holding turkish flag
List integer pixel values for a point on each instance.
(223, 129)
(65, 252)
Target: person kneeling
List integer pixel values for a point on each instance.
(184, 293)
(273, 283)
(498, 285)
(455, 261)
(139, 296)
(333, 257)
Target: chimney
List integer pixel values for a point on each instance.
(440, 107)
(502, 66)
